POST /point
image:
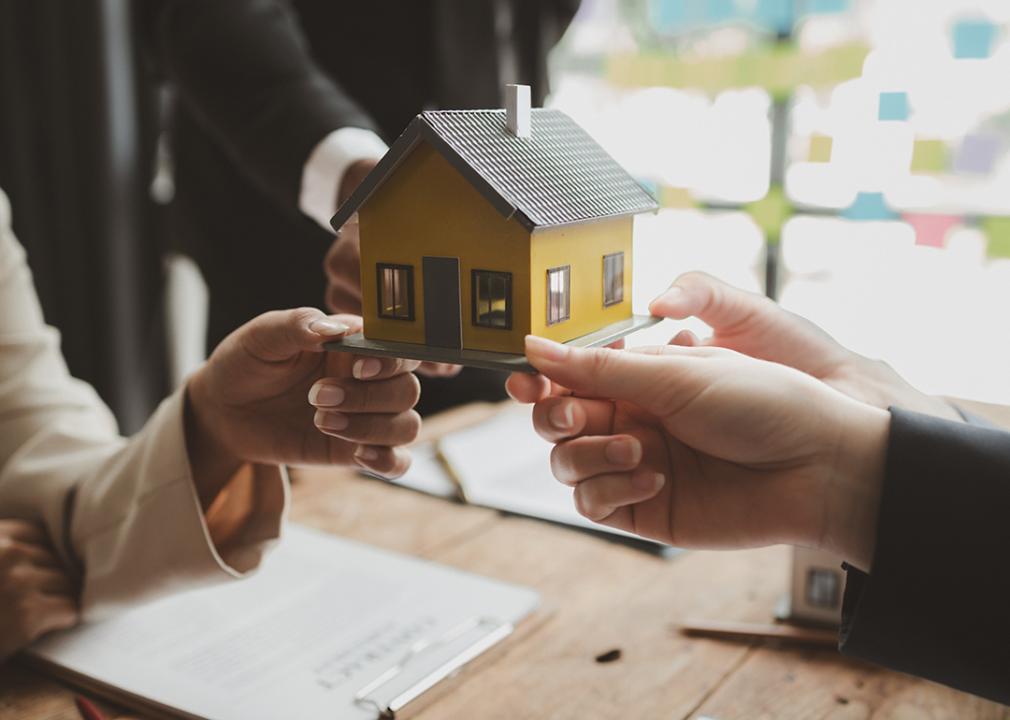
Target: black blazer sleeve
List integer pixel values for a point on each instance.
(937, 600)
(244, 70)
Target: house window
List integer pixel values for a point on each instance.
(492, 299)
(613, 279)
(396, 291)
(559, 294)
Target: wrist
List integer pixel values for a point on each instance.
(886, 388)
(855, 478)
(212, 463)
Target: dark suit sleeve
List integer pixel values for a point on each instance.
(937, 600)
(244, 70)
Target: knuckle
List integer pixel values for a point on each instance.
(392, 366)
(412, 393)
(558, 463)
(586, 503)
(601, 360)
(360, 396)
(302, 316)
(413, 426)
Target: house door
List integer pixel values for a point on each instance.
(441, 302)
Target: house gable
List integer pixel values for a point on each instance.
(425, 207)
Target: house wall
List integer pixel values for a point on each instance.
(582, 247)
(427, 208)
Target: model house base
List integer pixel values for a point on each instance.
(508, 362)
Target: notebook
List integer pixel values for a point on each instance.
(326, 628)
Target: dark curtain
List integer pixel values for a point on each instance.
(77, 130)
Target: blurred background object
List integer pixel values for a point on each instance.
(78, 124)
(848, 157)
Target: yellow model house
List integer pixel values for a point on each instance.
(479, 227)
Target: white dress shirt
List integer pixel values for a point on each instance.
(325, 168)
(122, 512)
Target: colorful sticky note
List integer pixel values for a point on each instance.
(997, 229)
(771, 212)
(717, 11)
(893, 106)
(973, 39)
(977, 153)
(931, 228)
(930, 156)
(775, 15)
(826, 7)
(671, 16)
(869, 206)
(820, 148)
(776, 68)
(675, 197)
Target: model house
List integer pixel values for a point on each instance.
(479, 227)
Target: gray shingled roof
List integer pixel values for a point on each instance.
(558, 176)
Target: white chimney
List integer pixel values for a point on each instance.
(517, 110)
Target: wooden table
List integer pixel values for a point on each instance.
(605, 596)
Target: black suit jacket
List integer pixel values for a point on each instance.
(937, 601)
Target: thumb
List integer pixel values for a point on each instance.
(281, 334)
(650, 378)
(718, 305)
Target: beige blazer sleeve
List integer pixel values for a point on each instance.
(121, 512)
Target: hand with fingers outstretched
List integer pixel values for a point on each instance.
(36, 594)
(706, 447)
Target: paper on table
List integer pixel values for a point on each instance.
(427, 474)
(320, 620)
(503, 464)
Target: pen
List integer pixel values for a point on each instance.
(87, 709)
(753, 631)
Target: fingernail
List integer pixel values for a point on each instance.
(327, 395)
(623, 451)
(562, 416)
(648, 482)
(364, 452)
(546, 349)
(327, 327)
(366, 368)
(334, 421)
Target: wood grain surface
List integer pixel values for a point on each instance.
(608, 645)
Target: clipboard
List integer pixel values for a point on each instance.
(481, 639)
(399, 663)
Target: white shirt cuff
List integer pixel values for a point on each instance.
(326, 166)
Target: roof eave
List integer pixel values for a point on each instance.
(532, 226)
(417, 130)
